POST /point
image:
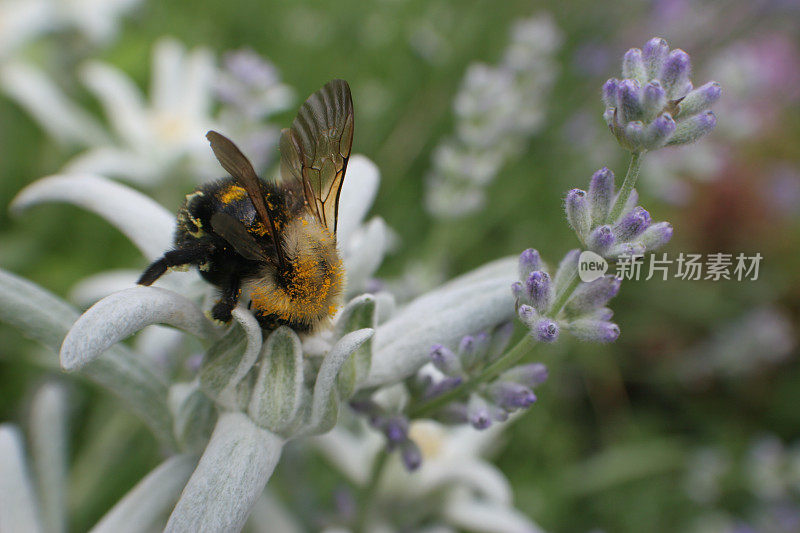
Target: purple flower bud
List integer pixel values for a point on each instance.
(632, 224)
(675, 74)
(699, 99)
(594, 330)
(517, 290)
(659, 131)
(626, 249)
(693, 128)
(656, 236)
(539, 290)
(633, 65)
(442, 386)
(601, 239)
(478, 412)
(530, 375)
(634, 136)
(501, 336)
(610, 92)
(603, 313)
(545, 330)
(445, 360)
(467, 345)
(654, 98)
(654, 53)
(510, 395)
(567, 268)
(529, 260)
(629, 101)
(527, 314)
(411, 455)
(601, 194)
(609, 115)
(633, 199)
(590, 296)
(578, 213)
(396, 429)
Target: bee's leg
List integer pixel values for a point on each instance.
(195, 254)
(231, 289)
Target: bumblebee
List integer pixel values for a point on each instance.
(275, 240)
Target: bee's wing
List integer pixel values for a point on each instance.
(234, 161)
(315, 150)
(233, 231)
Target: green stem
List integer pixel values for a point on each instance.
(627, 187)
(370, 490)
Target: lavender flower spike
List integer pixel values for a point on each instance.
(654, 104)
(656, 236)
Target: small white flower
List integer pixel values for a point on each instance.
(477, 495)
(145, 139)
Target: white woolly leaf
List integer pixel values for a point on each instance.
(358, 314)
(325, 403)
(122, 314)
(232, 473)
(46, 318)
(144, 505)
(18, 506)
(148, 225)
(278, 392)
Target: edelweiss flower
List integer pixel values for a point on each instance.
(477, 496)
(147, 139)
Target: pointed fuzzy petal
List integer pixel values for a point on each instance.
(148, 225)
(278, 393)
(232, 473)
(165, 83)
(143, 506)
(196, 85)
(364, 254)
(117, 162)
(46, 318)
(48, 429)
(325, 406)
(477, 515)
(121, 99)
(444, 316)
(359, 313)
(18, 506)
(60, 117)
(122, 314)
(253, 333)
(358, 194)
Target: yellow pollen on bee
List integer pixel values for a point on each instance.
(231, 194)
(306, 296)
